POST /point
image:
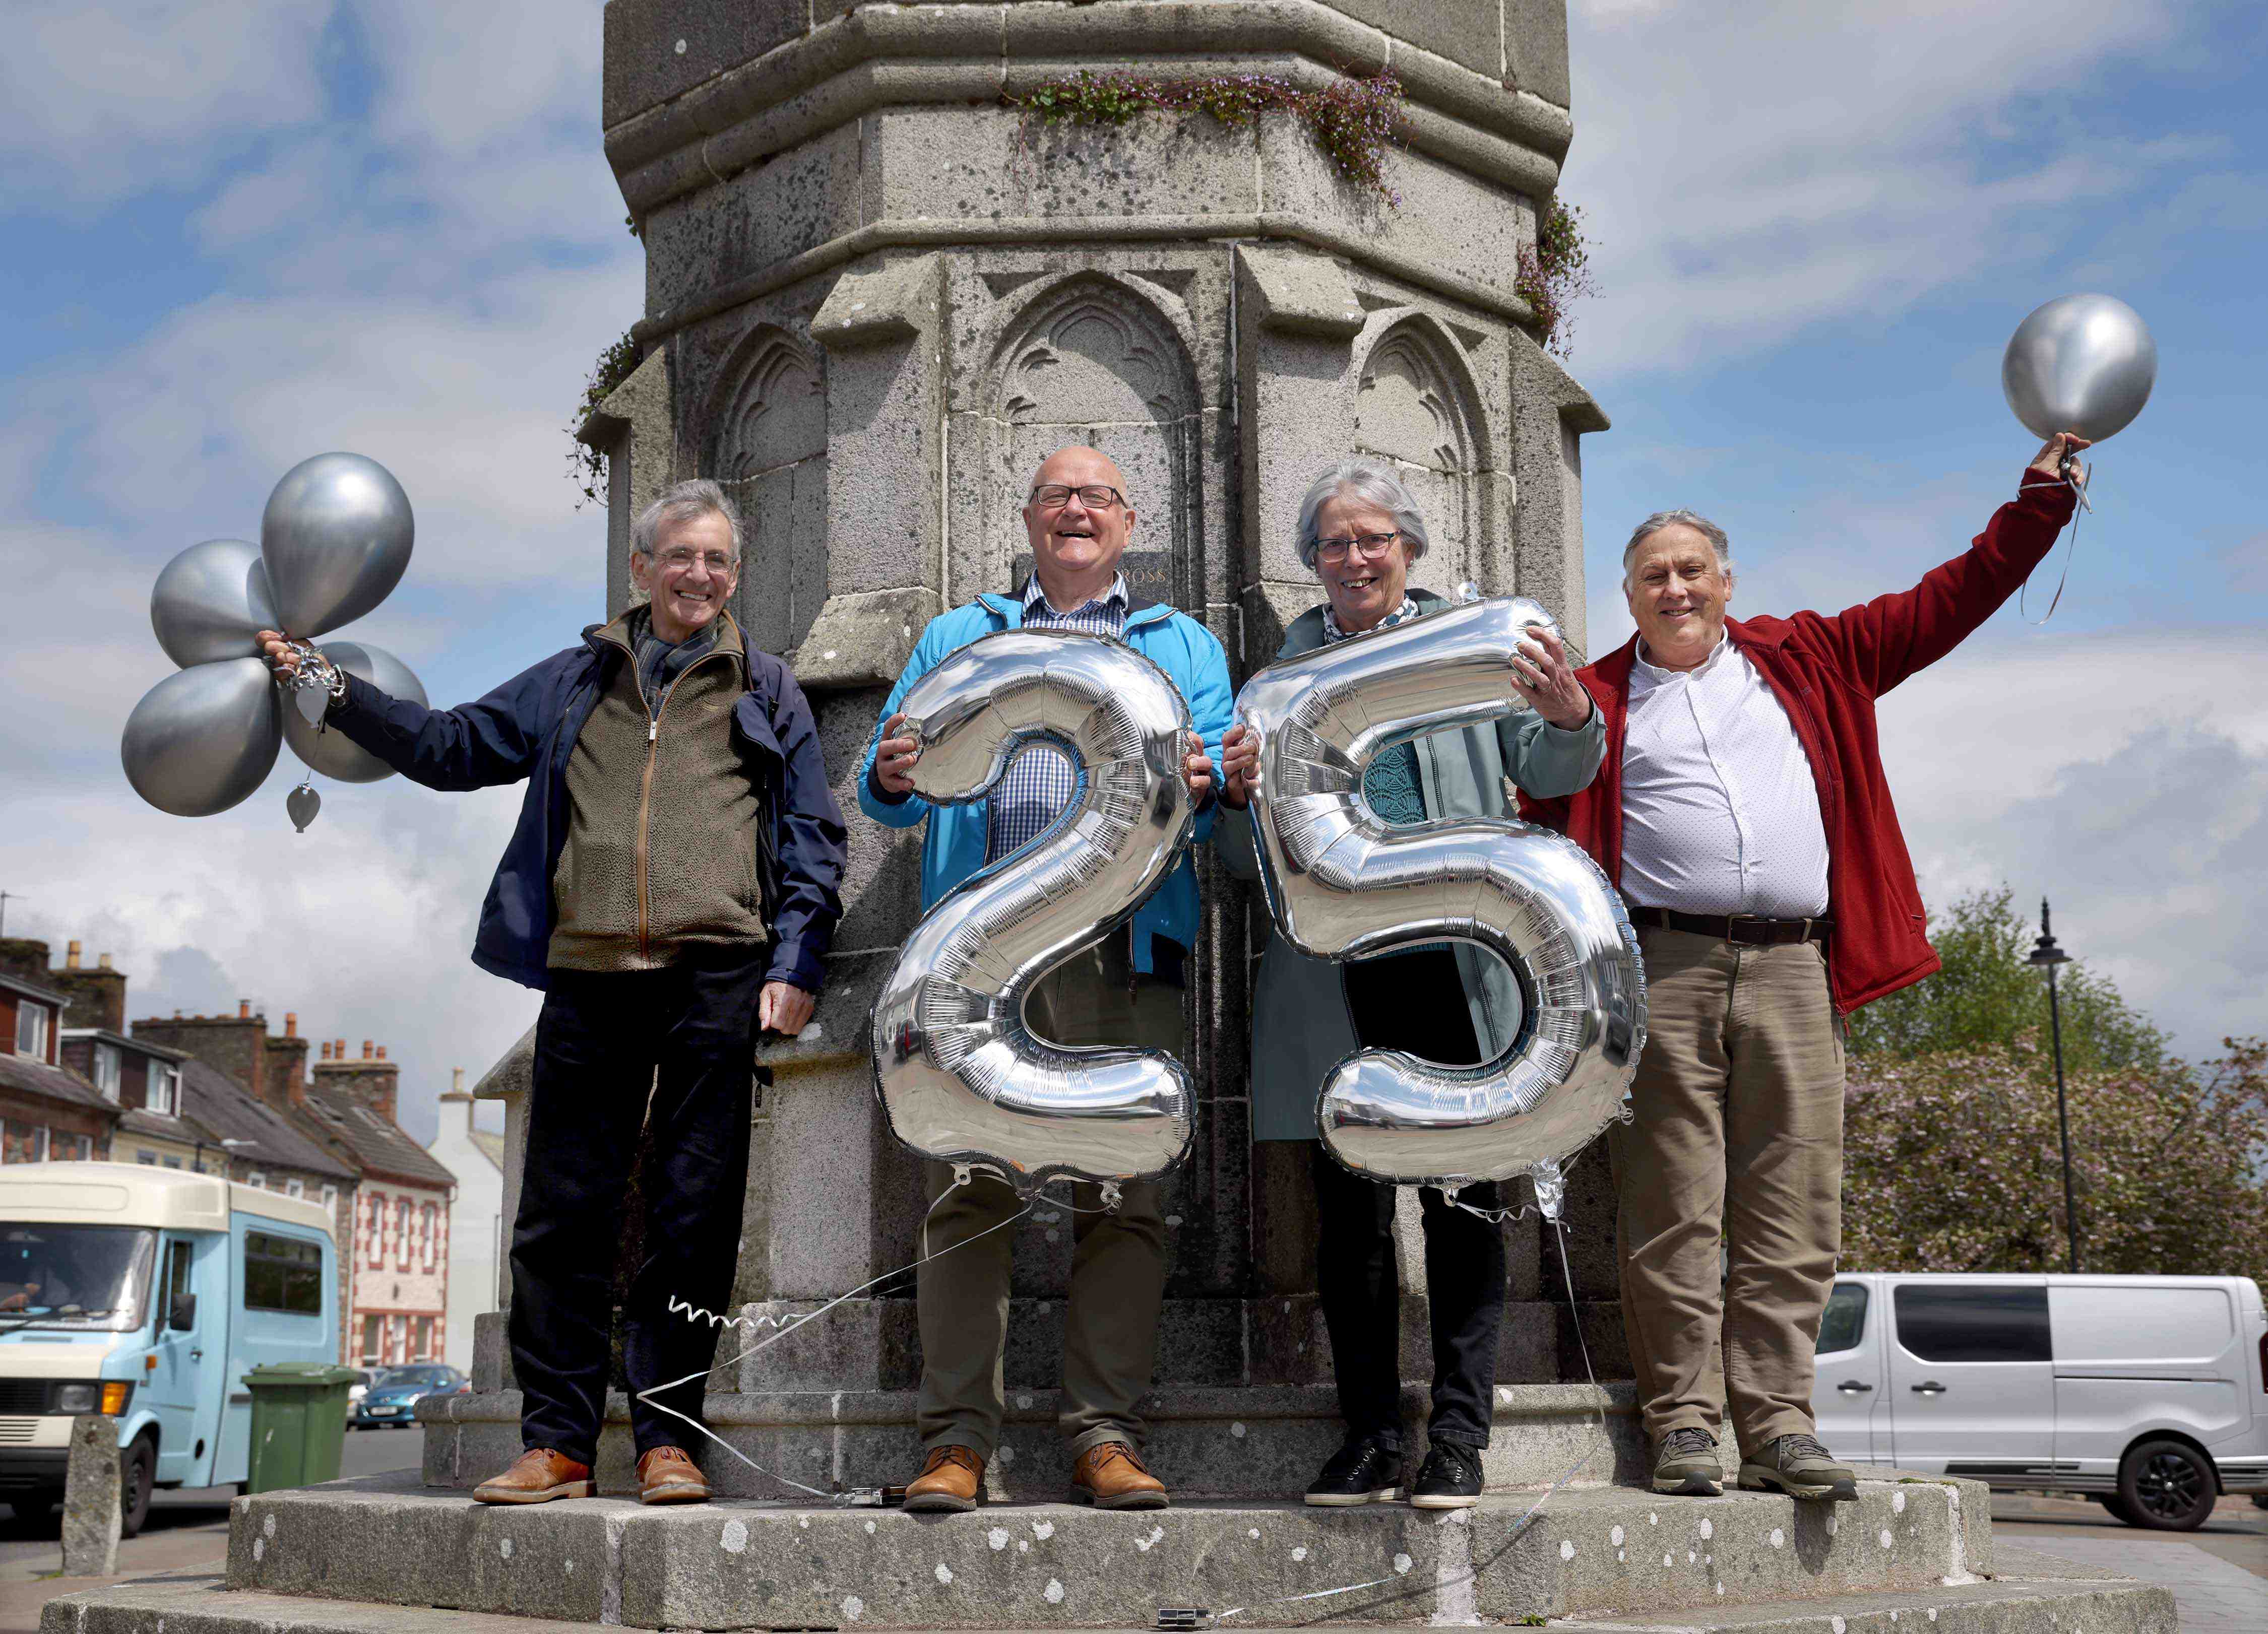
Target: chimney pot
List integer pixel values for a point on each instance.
(365, 1049)
(291, 1024)
(71, 956)
(327, 1049)
(243, 1009)
(177, 1015)
(381, 1052)
(457, 1080)
(339, 1049)
(102, 962)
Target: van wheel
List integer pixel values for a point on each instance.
(138, 1476)
(2167, 1486)
(2116, 1504)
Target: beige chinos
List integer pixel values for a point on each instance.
(1737, 1127)
(1118, 1259)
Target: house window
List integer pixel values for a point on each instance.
(173, 1163)
(105, 1070)
(65, 1148)
(21, 1142)
(165, 1091)
(144, 1155)
(424, 1350)
(330, 1199)
(374, 1231)
(371, 1325)
(256, 1179)
(32, 1030)
(402, 1234)
(293, 1189)
(432, 1235)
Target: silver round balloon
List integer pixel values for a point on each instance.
(204, 738)
(2081, 363)
(211, 601)
(1341, 884)
(961, 1077)
(335, 537)
(330, 751)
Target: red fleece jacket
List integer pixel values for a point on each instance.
(1826, 671)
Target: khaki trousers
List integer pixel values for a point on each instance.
(1118, 1260)
(1738, 1129)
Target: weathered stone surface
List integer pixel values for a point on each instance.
(636, 430)
(92, 1483)
(1566, 1552)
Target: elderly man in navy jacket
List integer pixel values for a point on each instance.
(673, 888)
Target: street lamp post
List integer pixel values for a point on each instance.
(2047, 956)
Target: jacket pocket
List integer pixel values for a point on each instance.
(751, 729)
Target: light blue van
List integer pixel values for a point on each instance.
(149, 1294)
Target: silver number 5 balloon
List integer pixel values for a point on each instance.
(1341, 885)
(961, 1077)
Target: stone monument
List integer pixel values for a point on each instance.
(878, 294)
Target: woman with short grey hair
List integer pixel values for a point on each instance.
(1360, 531)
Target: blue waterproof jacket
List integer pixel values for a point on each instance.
(954, 848)
(528, 727)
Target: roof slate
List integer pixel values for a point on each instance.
(491, 1145)
(37, 1078)
(212, 1097)
(376, 1143)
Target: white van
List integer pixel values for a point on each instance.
(148, 1293)
(2147, 1393)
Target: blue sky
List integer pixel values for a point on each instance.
(239, 235)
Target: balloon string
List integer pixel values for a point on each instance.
(2079, 488)
(865, 1496)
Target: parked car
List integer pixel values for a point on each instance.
(395, 1391)
(148, 1294)
(360, 1388)
(2148, 1395)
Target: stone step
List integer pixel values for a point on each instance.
(1259, 1441)
(206, 1605)
(738, 1564)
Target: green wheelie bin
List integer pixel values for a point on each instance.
(299, 1424)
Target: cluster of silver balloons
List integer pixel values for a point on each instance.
(961, 1078)
(335, 539)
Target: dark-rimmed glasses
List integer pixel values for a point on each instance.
(1372, 546)
(1094, 495)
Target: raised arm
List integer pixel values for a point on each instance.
(1881, 643)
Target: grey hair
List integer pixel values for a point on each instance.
(1693, 519)
(1366, 479)
(681, 502)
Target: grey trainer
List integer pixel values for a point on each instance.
(1685, 1465)
(1799, 1465)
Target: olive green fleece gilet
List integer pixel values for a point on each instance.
(661, 826)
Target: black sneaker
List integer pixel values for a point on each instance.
(1449, 1479)
(1364, 1471)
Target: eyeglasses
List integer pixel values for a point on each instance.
(679, 559)
(1372, 546)
(1094, 495)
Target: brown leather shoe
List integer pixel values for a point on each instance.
(1110, 1475)
(950, 1480)
(667, 1475)
(537, 1476)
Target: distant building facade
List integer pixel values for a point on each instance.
(47, 1111)
(476, 1239)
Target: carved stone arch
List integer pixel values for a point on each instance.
(767, 420)
(1417, 405)
(1098, 358)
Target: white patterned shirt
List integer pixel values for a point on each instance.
(1041, 780)
(1720, 812)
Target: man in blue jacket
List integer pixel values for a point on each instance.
(672, 887)
(1126, 990)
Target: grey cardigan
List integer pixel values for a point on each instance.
(1300, 1026)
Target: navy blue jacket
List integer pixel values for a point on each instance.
(527, 728)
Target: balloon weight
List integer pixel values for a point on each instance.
(2081, 363)
(328, 750)
(211, 601)
(335, 537)
(202, 739)
(301, 805)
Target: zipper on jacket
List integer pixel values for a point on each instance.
(641, 850)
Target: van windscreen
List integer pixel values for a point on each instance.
(82, 1276)
(1974, 1322)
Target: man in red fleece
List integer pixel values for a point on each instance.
(1742, 811)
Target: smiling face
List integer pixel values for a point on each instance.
(1076, 545)
(689, 576)
(1364, 589)
(1678, 592)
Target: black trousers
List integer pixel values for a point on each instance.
(599, 1043)
(1414, 1002)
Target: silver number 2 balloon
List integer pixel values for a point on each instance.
(1341, 884)
(961, 1077)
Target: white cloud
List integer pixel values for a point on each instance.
(1856, 160)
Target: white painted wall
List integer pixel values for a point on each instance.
(475, 1226)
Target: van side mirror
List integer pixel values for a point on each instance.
(183, 1316)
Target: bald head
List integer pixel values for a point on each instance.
(1077, 531)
